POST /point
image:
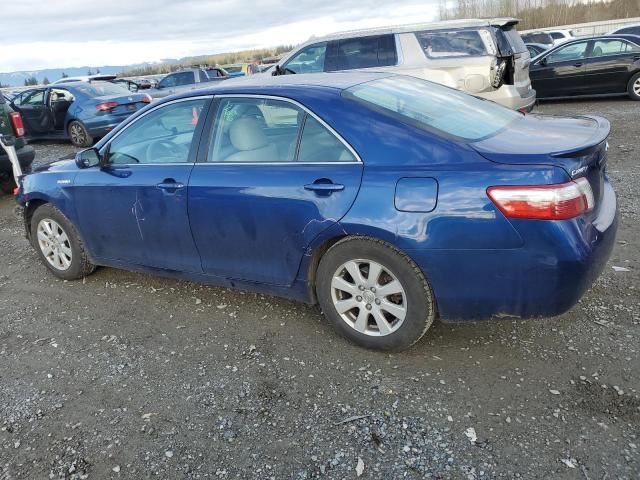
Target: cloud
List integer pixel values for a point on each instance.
(66, 33)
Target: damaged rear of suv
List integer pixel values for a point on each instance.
(12, 131)
(486, 58)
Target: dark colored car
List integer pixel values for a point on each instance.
(390, 200)
(536, 49)
(185, 80)
(128, 84)
(542, 38)
(79, 111)
(11, 126)
(628, 30)
(604, 65)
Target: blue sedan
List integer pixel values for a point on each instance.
(78, 111)
(388, 200)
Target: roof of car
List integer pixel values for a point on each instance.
(463, 23)
(337, 80)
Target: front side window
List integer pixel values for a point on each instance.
(557, 35)
(603, 48)
(462, 43)
(362, 52)
(431, 106)
(33, 98)
(575, 51)
(162, 136)
(265, 130)
(309, 60)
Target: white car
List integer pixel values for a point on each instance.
(560, 36)
(486, 58)
(85, 78)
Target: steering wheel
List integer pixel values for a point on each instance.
(165, 151)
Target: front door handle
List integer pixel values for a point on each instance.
(578, 64)
(170, 185)
(324, 187)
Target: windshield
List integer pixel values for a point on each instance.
(432, 106)
(99, 89)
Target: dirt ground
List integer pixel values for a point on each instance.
(125, 375)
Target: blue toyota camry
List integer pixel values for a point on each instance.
(388, 200)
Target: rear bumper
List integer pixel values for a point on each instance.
(547, 277)
(99, 127)
(509, 96)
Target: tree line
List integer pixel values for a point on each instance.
(243, 56)
(541, 13)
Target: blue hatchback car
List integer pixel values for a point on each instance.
(388, 200)
(78, 111)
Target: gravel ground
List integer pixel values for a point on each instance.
(125, 375)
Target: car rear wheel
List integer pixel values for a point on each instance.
(58, 244)
(634, 87)
(79, 135)
(374, 295)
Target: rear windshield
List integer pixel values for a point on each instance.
(434, 107)
(460, 43)
(98, 89)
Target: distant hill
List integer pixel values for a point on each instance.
(16, 79)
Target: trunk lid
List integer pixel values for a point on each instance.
(578, 145)
(127, 104)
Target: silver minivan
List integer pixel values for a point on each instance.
(486, 58)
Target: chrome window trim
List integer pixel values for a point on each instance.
(309, 112)
(156, 107)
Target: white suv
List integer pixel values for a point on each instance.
(486, 58)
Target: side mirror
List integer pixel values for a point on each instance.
(543, 62)
(88, 158)
(277, 71)
(133, 87)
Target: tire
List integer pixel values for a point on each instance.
(633, 88)
(7, 185)
(66, 257)
(79, 135)
(362, 323)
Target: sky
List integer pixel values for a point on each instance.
(38, 34)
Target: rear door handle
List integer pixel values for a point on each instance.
(324, 187)
(578, 64)
(170, 184)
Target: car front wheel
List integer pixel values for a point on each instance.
(58, 244)
(374, 295)
(79, 135)
(634, 87)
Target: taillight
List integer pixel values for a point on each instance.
(106, 106)
(146, 98)
(16, 123)
(544, 202)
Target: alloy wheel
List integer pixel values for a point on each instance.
(636, 87)
(54, 244)
(77, 134)
(369, 297)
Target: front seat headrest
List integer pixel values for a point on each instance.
(247, 134)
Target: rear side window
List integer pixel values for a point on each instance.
(361, 52)
(320, 145)
(461, 43)
(603, 48)
(431, 106)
